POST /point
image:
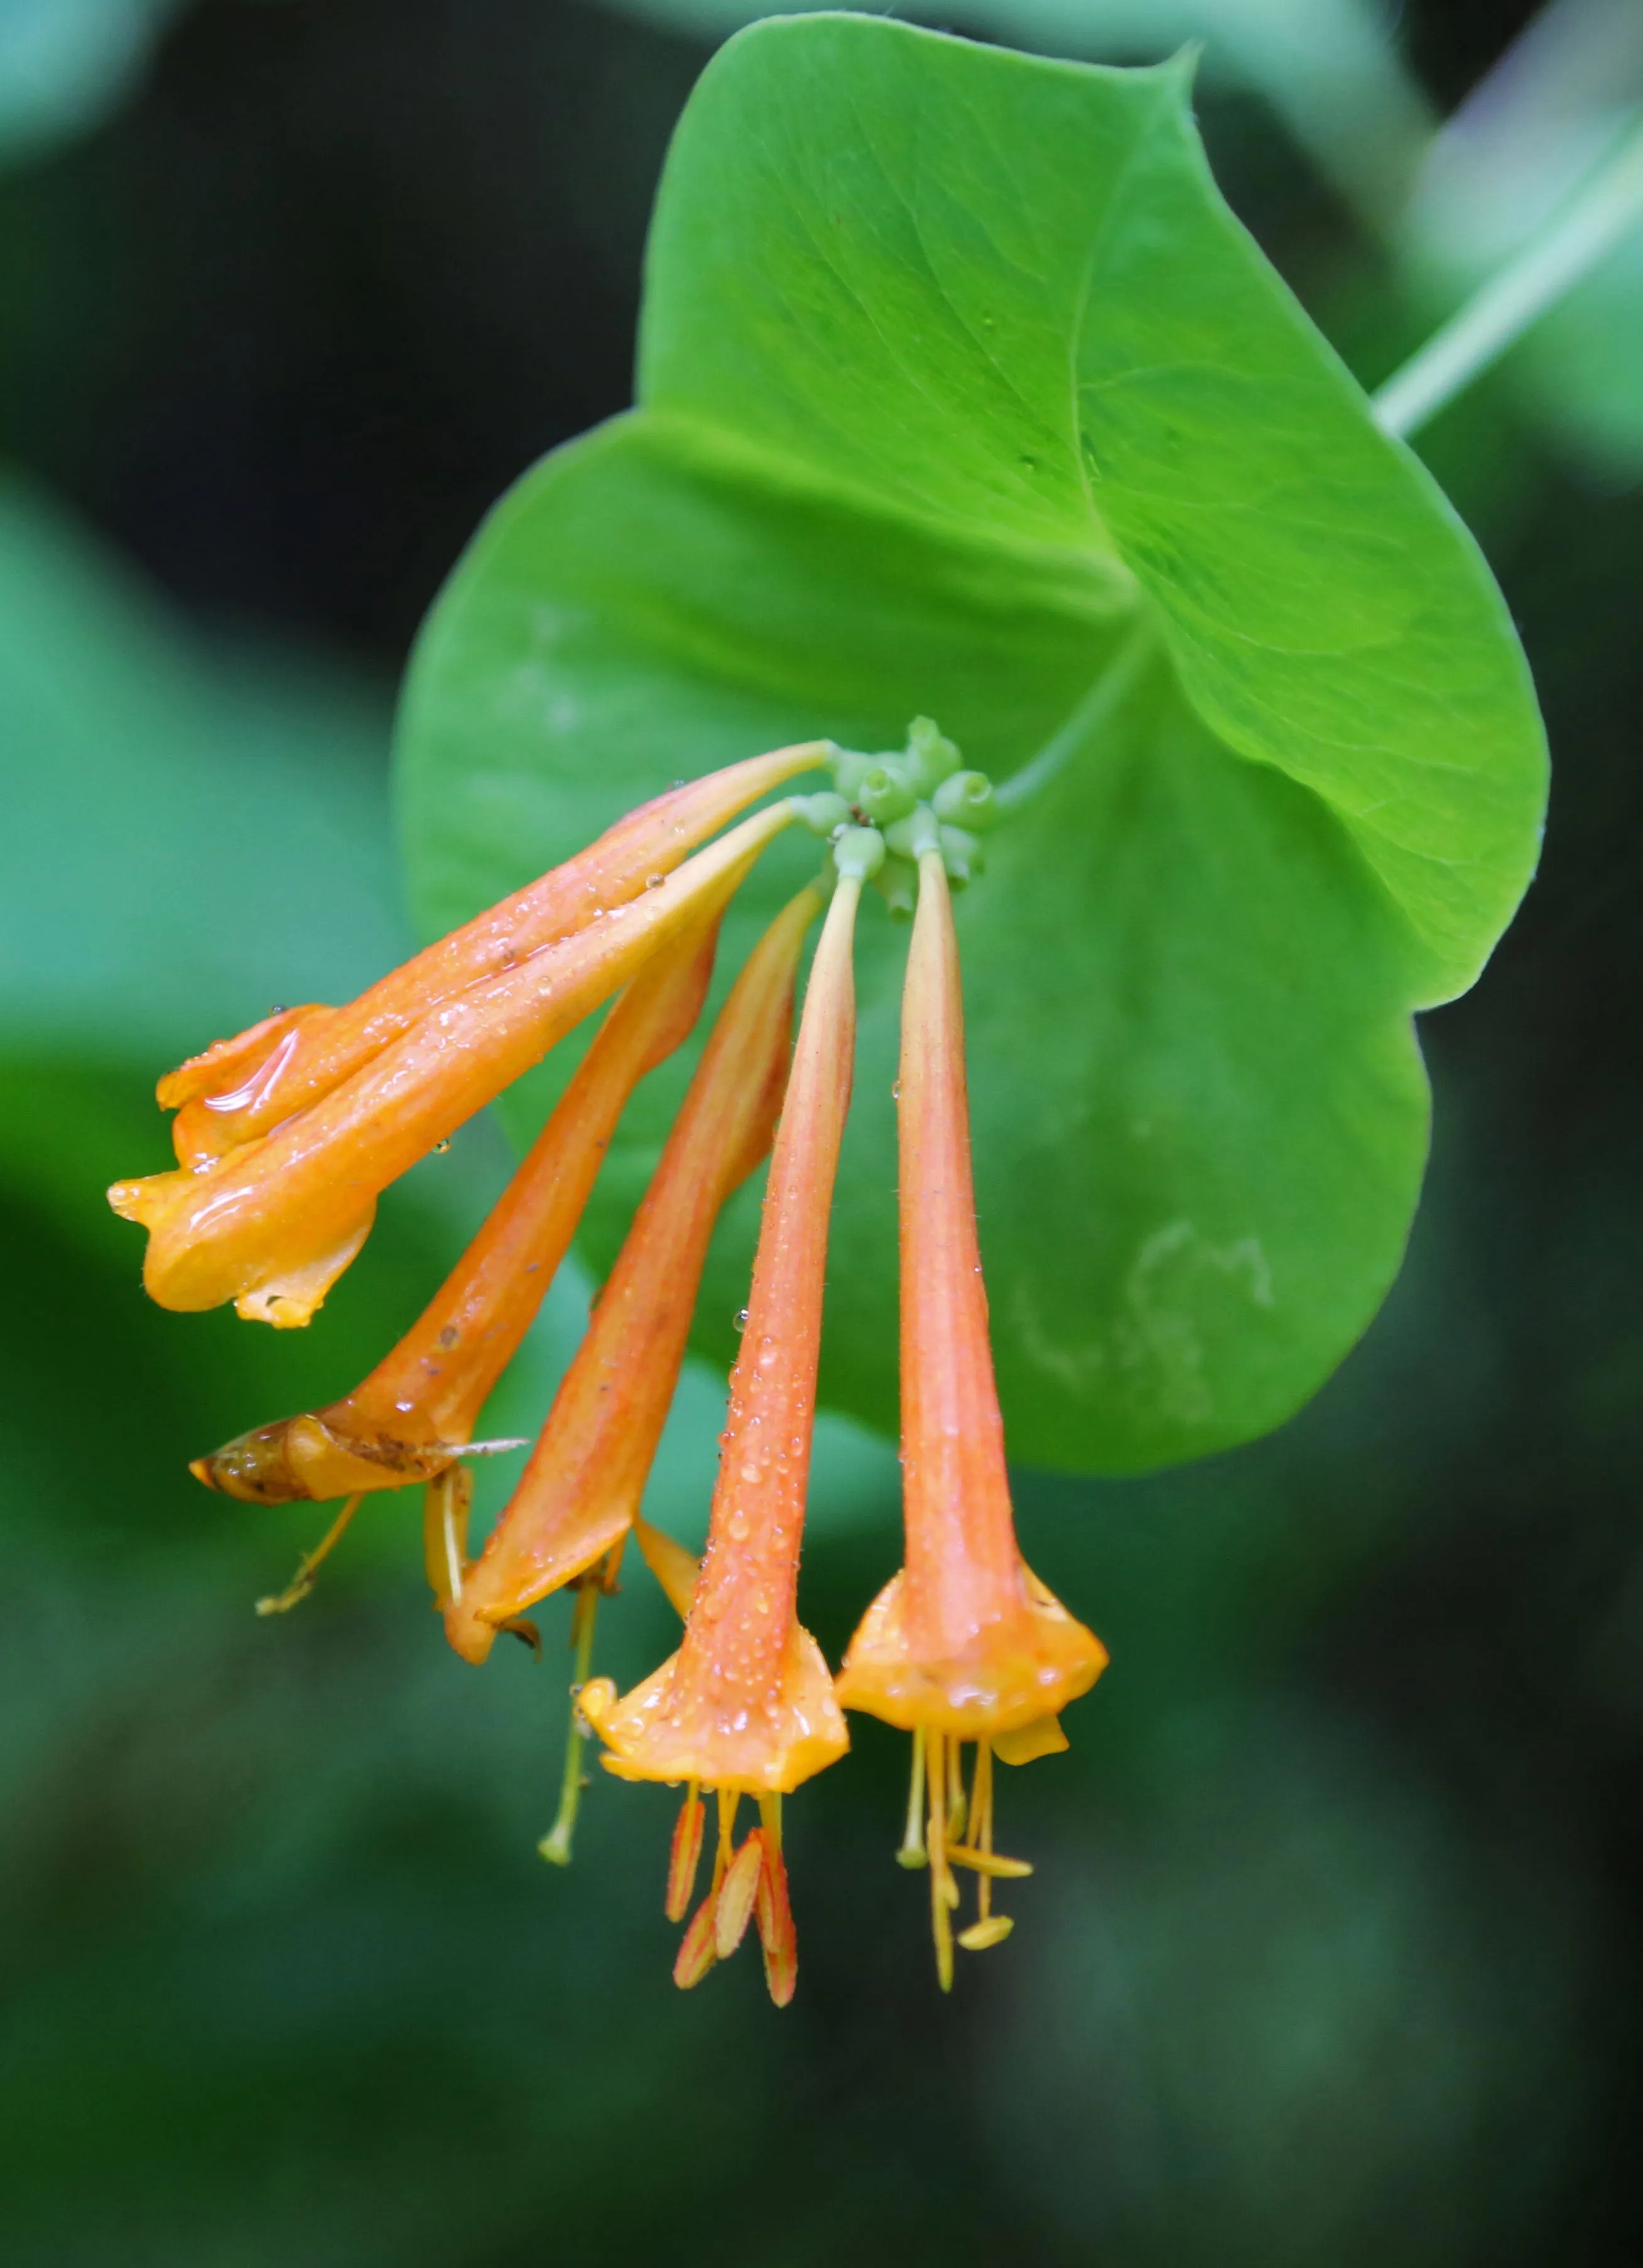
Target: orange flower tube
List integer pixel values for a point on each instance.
(964, 1644)
(580, 1492)
(746, 1705)
(242, 1087)
(422, 1402)
(273, 1224)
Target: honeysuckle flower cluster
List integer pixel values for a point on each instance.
(285, 1136)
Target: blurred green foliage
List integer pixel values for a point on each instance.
(1332, 1953)
(65, 63)
(1526, 140)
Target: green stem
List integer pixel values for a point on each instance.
(1550, 265)
(556, 1844)
(1104, 695)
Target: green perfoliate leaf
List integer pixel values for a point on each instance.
(961, 393)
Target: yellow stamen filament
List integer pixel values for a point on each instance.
(770, 1820)
(728, 1801)
(912, 1853)
(982, 1809)
(281, 1602)
(956, 1806)
(938, 1757)
(988, 1928)
(943, 1888)
(446, 1502)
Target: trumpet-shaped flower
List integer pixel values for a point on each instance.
(274, 1223)
(421, 1404)
(746, 1705)
(580, 1491)
(242, 1087)
(963, 1645)
(288, 1133)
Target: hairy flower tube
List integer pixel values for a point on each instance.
(273, 1224)
(963, 1645)
(745, 1706)
(580, 1494)
(421, 1404)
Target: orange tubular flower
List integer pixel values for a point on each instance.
(746, 1705)
(288, 1133)
(964, 1644)
(580, 1494)
(273, 1224)
(243, 1088)
(419, 1407)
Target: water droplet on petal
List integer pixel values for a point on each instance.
(895, 1092)
(654, 881)
(739, 1319)
(751, 1473)
(439, 1148)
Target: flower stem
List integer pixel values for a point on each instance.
(1499, 313)
(556, 1844)
(1097, 705)
(297, 1590)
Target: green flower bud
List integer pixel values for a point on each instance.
(897, 883)
(966, 799)
(884, 793)
(860, 851)
(961, 855)
(823, 814)
(931, 756)
(907, 837)
(850, 771)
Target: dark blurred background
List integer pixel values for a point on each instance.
(1332, 1954)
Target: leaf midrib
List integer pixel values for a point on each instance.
(701, 445)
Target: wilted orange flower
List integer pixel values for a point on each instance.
(421, 1404)
(964, 1644)
(272, 1223)
(579, 1493)
(244, 1086)
(746, 1705)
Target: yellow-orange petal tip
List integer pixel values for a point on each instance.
(1043, 1737)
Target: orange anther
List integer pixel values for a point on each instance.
(685, 1857)
(734, 1907)
(697, 1951)
(778, 1937)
